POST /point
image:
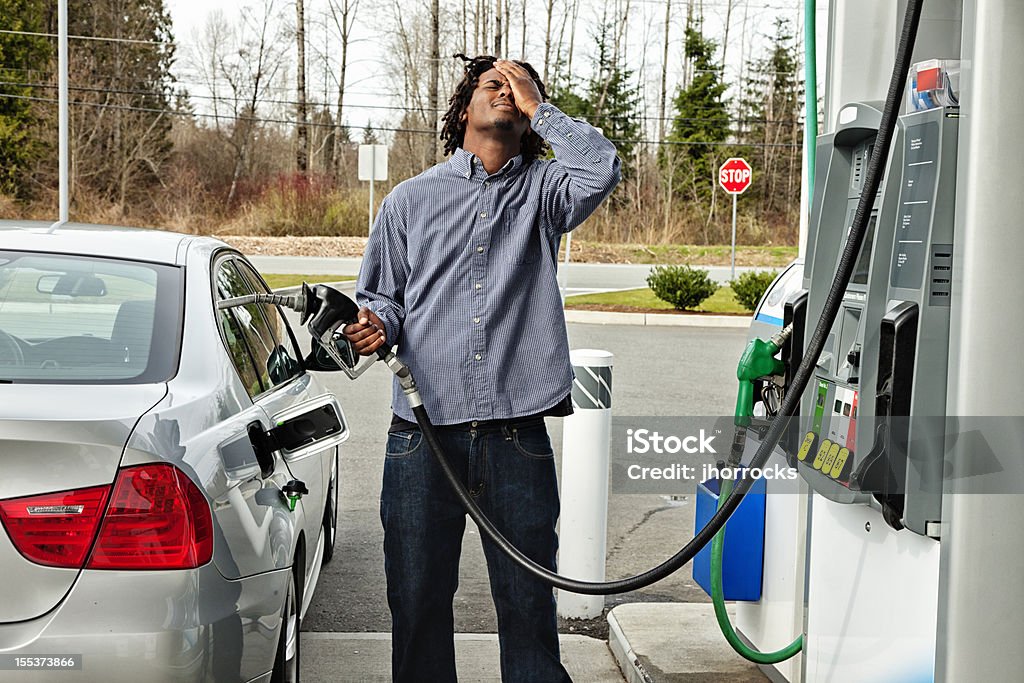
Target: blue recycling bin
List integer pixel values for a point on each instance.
(743, 555)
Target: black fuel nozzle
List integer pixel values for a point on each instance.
(334, 309)
(329, 310)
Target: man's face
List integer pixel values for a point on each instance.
(493, 106)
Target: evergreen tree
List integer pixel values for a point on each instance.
(770, 112)
(23, 59)
(701, 117)
(615, 102)
(566, 96)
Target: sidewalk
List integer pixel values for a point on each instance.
(647, 643)
(366, 658)
(675, 642)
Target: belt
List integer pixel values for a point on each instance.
(494, 425)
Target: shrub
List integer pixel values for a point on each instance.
(750, 287)
(682, 286)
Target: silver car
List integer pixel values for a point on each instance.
(169, 470)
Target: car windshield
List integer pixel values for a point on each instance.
(87, 320)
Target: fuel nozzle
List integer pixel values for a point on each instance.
(758, 360)
(335, 309)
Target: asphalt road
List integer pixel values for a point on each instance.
(582, 276)
(658, 372)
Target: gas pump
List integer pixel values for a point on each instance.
(872, 557)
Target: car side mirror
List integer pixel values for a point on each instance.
(281, 366)
(320, 359)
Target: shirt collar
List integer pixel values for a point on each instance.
(465, 164)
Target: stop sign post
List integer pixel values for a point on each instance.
(735, 176)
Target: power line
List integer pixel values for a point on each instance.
(290, 122)
(105, 39)
(237, 100)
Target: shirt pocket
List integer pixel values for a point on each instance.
(522, 241)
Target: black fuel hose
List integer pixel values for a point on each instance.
(791, 402)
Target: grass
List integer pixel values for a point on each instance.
(775, 255)
(721, 302)
(671, 254)
(279, 280)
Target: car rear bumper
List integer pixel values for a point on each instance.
(159, 626)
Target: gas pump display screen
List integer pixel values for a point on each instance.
(860, 271)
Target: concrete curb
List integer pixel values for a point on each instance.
(629, 663)
(656, 319)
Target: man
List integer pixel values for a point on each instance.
(459, 272)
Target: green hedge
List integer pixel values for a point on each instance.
(750, 287)
(682, 286)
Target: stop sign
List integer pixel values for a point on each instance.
(735, 175)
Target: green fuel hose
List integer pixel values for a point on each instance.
(718, 597)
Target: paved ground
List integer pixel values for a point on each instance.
(358, 658)
(658, 371)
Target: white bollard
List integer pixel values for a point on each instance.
(586, 441)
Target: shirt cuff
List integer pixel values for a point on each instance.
(390, 320)
(541, 118)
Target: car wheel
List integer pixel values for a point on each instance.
(286, 663)
(331, 513)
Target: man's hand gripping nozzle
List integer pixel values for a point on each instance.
(327, 309)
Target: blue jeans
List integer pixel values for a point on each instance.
(510, 472)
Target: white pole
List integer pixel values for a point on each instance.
(733, 276)
(565, 279)
(373, 173)
(62, 110)
(586, 443)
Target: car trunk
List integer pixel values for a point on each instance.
(52, 439)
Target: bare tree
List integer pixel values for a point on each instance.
(435, 65)
(522, 48)
(239, 66)
(575, 12)
(664, 73)
(302, 125)
(343, 13)
(547, 36)
(728, 22)
(498, 18)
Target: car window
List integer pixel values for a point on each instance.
(87, 320)
(261, 360)
(288, 364)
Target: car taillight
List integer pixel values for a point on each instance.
(55, 529)
(157, 519)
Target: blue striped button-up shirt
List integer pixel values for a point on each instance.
(461, 265)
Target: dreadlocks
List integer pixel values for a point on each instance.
(454, 129)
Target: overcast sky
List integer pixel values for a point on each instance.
(367, 89)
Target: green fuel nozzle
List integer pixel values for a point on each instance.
(758, 360)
